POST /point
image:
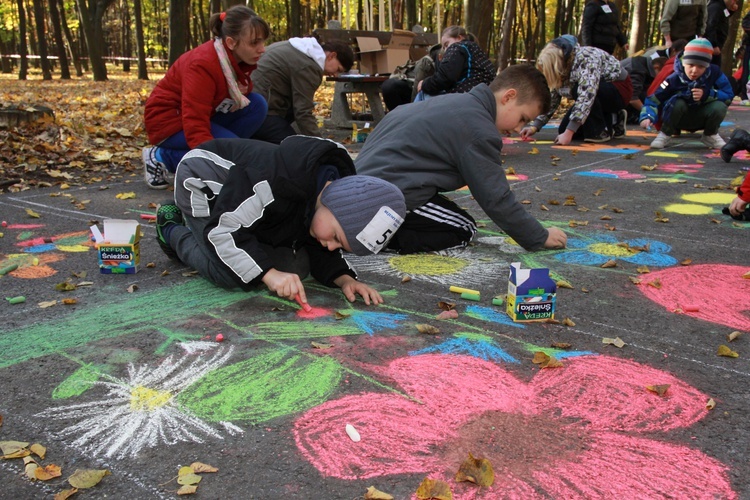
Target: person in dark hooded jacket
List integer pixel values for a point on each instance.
(256, 212)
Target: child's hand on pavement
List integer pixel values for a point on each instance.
(737, 206)
(646, 124)
(286, 285)
(556, 238)
(352, 288)
(527, 132)
(564, 138)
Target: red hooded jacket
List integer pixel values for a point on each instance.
(188, 95)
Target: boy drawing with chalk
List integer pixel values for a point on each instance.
(256, 212)
(445, 143)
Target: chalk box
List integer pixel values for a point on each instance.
(376, 59)
(531, 294)
(120, 252)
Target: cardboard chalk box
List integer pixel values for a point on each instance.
(120, 250)
(378, 60)
(531, 294)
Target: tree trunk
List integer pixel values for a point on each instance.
(638, 24)
(61, 52)
(179, 23)
(91, 13)
(140, 45)
(479, 20)
(293, 24)
(127, 46)
(69, 38)
(23, 48)
(411, 13)
(727, 51)
(509, 17)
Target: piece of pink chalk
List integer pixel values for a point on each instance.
(148, 217)
(305, 306)
(219, 338)
(5, 224)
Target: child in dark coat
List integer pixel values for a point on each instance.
(260, 212)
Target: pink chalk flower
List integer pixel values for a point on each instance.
(586, 430)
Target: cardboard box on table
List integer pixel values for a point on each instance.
(531, 294)
(378, 60)
(120, 250)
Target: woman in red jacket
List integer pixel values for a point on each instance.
(206, 94)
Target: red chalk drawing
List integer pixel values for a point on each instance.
(24, 226)
(568, 433)
(717, 291)
(313, 313)
(676, 167)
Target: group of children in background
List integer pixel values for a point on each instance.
(256, 203)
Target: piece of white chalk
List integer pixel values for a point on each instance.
(352, 432)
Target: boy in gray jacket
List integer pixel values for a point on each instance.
(454, 140)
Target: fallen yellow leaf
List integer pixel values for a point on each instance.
(201, 467)
(710, 404)
(187, 489)
(87, 478)
(375, 494)
(65, 494)
(733, 336)
(428, 329)
(48, 472)
(32, 213)
(727, 352)
(476, 470)
(434, 489)
(38, 450)
(660, 389)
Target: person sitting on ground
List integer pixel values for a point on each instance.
(462, 67)
(595, 80)
(428, 148)
(260, 212)
(694, 97)
(288, 76)
(642, 70)
(739, 207)
(206, 94)
(401, 87)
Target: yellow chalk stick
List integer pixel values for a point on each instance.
(458, 289)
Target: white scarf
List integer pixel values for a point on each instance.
(235, 91)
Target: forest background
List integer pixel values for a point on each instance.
(53, 35)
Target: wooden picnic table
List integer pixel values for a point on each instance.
(341, 114)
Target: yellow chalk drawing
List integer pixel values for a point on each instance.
(145, 399)
(434, 265)
(73, 248)
(689, 209)
(610, 249)
(466, 267)
(709, 198)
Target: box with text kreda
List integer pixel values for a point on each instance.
(531, 294)
(120, 250)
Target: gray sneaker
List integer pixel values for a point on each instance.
(619, 128)
(661, 141)
(713, 141)
(154, 171)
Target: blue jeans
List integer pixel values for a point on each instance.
(242, 124)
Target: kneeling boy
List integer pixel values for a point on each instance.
(455, 140)
(259, 212)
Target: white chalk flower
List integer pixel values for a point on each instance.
(141, 410)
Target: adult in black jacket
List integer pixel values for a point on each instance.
(642, 70)
(600, 26)
(257, 212)
(717, 25)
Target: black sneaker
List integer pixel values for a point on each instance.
(604, 136)
(618, 130)
(154, 171)
(167, 213)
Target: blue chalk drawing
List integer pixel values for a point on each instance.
(619, 151)
(558, 353)
(472, 344)
(370, 322)
(598, 249)
(45, 247)
(492, 315)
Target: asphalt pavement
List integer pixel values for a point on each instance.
(128, 375)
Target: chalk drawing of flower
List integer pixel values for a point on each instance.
(581, 431)
(598, 249)
(464, 267)
(141, 410)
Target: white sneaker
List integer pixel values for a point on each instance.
(745, 102)
(154, 171)
(713, 141)
(661, 141)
